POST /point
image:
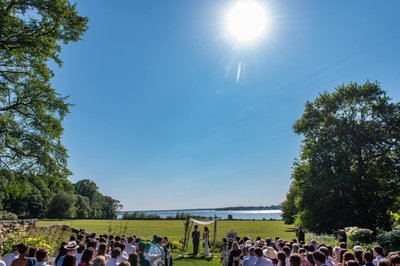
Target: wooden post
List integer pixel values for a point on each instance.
(215, 234)
(188, 238)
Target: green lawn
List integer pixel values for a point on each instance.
(174, 231)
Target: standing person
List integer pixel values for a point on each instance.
(196, 240)
(234, 255)
(342, 236)
(205, 241)
(300, 234)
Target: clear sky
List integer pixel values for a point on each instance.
(162, 120)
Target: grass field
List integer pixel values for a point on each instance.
(174, 231)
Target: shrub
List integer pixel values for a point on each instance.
(5, 215)
(175, 245)
(41, 237)
(390, 240)
(322, 238)
(10, 241)
(360, 235)
(219, 245)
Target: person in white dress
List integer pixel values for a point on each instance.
(206, 235)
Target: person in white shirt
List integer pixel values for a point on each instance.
(42, 256)
(123, 256)
(115, 253)
(261, 260)
(378, 254)
(79, 251)
(129, 247)
(250, 258)
(8, 259)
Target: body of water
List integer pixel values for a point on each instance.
(237, 214)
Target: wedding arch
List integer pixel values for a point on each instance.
(188, 225)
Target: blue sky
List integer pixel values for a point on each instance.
(161, 122)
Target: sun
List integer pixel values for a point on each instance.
(246, 20)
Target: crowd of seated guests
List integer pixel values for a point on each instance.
(90, 250)
(266, 252)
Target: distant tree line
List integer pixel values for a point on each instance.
(138, 215)
(47, 197)
(272, 207)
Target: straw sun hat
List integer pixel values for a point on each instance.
(270, 253)
(71, 245)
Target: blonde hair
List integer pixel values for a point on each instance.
(235, 245)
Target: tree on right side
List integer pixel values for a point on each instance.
(348, 173)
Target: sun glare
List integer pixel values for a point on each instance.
(246, 20)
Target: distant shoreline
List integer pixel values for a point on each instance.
(241, 208)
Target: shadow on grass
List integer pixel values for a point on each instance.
(190, 256)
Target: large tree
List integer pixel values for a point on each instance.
(349, 170)
(101, 206)
(31, 111)
(62, 206)
(87, 188)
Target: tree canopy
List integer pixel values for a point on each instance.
(33, 161)
(31, 111)
(348, 173)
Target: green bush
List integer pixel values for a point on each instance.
(10, 241)
(322, 239)
(219, 245)
(41, 237)
(5, 215)
(175, 245)
(390, 240)
(360, 235)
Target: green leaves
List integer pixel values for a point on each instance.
(348, 173)
(31, 111)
